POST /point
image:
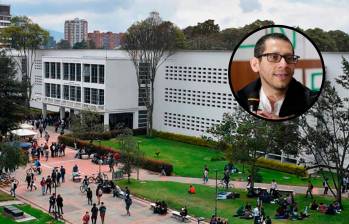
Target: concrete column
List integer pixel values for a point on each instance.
(106, 121)
(61, 112)
(44, 110)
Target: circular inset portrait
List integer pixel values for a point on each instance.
(276, 73)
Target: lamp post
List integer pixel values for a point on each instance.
(138, 142)
(215, 207)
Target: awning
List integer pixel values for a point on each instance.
(23, 132)
(26, 126)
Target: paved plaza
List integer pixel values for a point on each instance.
(75, 202)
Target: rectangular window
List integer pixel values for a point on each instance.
(101, 74)
(101, 96)
(53, 70)
(87, 95)
(72, 72)
(78, 72)
(47, 70)
(94, 99)
(47, 90)
(65, 71)
(58, 91)
(78, 94)
(58, 74)
(53, 90)
(72, 93)
(94, 73)
(66, 92)
(86, 73)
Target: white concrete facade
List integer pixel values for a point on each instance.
(191, 88)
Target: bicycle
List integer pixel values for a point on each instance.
(222, 184)
(83, 188)
(98, 179)
(33, 169)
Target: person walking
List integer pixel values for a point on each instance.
(52, 201)
(48, 184)
(28, 179)
(309, 189)
(13, 188)
(102, 210)
(325, 185)
(46, 154)
(62, 173)
(273, 188)
(94, 213)
(86, 218)
(43, 185)
(128, 202)
(99, 194)
(205, 174)
(89, 196)
(60, 204)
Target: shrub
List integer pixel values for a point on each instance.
(183, 138)
(284, 167)
(146, 163)
(106, 135)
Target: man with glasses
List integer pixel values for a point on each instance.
(275, 94)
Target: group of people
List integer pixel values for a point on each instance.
(94, 214)
(56, 204)
(217, 220)
(160, 207)
(288, 209)
(331, 209)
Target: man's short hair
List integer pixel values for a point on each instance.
(260, 45)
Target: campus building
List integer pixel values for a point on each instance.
(75, 31)
(107, 40)
(5, 15)
(192, 89)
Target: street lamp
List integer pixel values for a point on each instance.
(215, 208)
(138, 142)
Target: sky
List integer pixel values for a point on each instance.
(118, 15)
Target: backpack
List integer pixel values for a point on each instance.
(14, 186)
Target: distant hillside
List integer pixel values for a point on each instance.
(56, 35)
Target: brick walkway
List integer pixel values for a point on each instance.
(75, 203)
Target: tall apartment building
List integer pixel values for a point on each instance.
(75, 30)
(5, 15)
(108, 40)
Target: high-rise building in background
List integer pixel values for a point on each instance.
(108, 40)
(75, 31)
(5, 15)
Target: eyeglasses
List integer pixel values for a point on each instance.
(275, 57)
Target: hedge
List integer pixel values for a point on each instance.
(107, 134)
(146, 163)
(284, 167)
(183, 138)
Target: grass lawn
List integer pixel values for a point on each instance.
(5, 197)
(189, 160)
(202, 203)
(42, 218)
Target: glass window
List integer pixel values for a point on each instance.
(66, 92)
(72, 72)
(78, 94)
(65, 71)
(58, 91)
(58, 66)
(53, 90)
(94, 73)
(94, 99)
(86, 73)
(47, 89)
(101, 74)
(87, 95)
(101, 97)
(47, 70)
(72, 93)
(53, 70)
(78, 72)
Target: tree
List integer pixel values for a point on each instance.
(12, 95)
(130, 155)
(11, 156)
(86, 122)
(63, 44)
(249, 138)
(80, 45)
(322, 39)
(326, 132)
(24, 38)
(149, 43)
(341, 39)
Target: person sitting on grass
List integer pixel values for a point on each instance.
(337, 207)
(281, 213)
(240, 211)
(191, 189)
(330, 210)
(322, 208)
(184, 212)
(314, 205)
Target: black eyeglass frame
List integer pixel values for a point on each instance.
(292, 60)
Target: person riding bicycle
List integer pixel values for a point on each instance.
(85, 183)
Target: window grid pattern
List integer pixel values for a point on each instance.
(200, 98)
(142, 119)
(188, 122)
(197, 74)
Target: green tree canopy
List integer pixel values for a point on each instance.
(63, 44)
(80, 45)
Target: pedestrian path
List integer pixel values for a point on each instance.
(11, 202)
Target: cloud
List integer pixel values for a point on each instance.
(249, 5)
